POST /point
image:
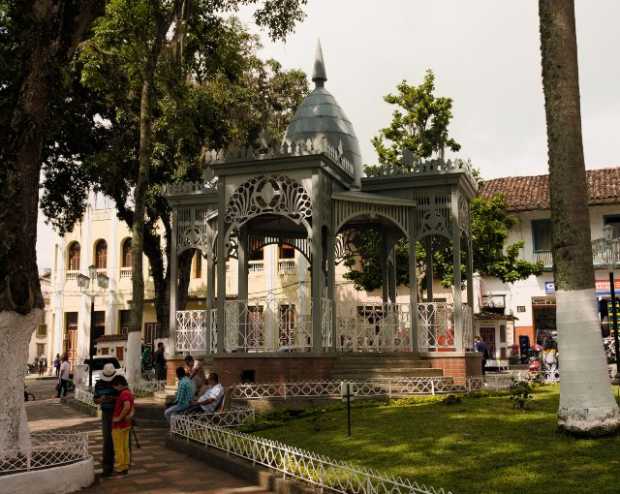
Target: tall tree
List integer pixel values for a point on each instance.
(145, 41)
(37, 42)
(587, 405)
(233, 102)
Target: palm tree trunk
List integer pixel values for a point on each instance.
(587, 405)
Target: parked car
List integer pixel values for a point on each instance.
(98, 363)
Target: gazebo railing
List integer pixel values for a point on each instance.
(373, 327)
(268, 325)
(436, 326)
(192, 332)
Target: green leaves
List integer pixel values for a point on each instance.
(419, 125)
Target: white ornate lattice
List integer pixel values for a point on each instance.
(49, 449)
(267, 324)
(84, 396)
(275, 194)
(227, 418)
(373, 327)
(304, 465)
(332, 388)
(435, 326)
(192, 331)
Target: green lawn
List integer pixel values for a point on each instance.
(481, 445)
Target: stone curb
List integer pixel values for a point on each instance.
(265, 478)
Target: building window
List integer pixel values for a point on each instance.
(126, 253)
(151, 333)
(73, 257)
(120, 353)
(502, 333)
(40, 349)
(614, 221)
(41, 330)
(286, 252)
(541, 233)
(105, 350)
(124, 316)
(198, 264)
(101, 254)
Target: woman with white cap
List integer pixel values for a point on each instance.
(105, 397)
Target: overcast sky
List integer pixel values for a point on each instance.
(486, 57)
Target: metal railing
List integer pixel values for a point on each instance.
(297, 463)
(369, 388)
(125, 273)
(287, 266)
(191, 331)
(48, 450)
(233, 417)
(544, 257)
(373, 327)
(256, 266)
(84, 396)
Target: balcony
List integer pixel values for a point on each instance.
(255, 267)
(125, 273)
(71, 275)
(545, 258)
(287, 267)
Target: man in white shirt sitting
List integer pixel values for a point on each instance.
(212, 398)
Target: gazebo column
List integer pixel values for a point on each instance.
(210, 297)
(456, 266)
(242, 264)
(429, 268)
(470, 273)
(222, 255)
(173, 283)
(318, 258)
(331, 283)
(413, 282)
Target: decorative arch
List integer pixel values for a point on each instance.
(73, 256)
(301, 245)
(194, 229)
(126, 253)
(101, 254)
(345, 211)
(279, 195)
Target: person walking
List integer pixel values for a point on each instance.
(57, 365)
(121, 424)
(42, 365)
(185, 393)
(481, 347)
(105, 396)
(63, 376)
(159, 362)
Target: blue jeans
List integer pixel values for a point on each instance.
(170, 411)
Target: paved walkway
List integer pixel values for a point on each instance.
(155, 469)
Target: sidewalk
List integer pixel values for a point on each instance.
(155, 469)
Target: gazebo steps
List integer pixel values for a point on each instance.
(386, 373)
(363, 366)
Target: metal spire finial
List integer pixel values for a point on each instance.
(319, 75)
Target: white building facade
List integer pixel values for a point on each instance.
(532, 301)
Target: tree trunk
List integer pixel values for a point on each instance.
(134, 350)
(48, 41)
(587, 405)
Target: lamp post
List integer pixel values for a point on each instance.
(608, 249)
(88, 286)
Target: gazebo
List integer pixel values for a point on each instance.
(308, 192)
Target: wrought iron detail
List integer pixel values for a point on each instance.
(263, 195)
(194, 230)
(348, 210)
(464, 219)
(432, 215)
(303, 245)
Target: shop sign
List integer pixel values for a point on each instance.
(602, 287)
(549, 287)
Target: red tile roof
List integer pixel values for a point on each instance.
(530, 193)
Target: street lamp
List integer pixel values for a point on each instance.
(88, 286)
(608, 249)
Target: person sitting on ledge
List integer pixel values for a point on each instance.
(185, 392)
(210, 401)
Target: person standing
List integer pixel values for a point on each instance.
(57, 365)
(42, 365)
(159, 362)
(121, 424)
(63, 376)
(481, 347)
(196, 373)
(105, 396)
(185, 393)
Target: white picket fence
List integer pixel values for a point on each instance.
(291, 462)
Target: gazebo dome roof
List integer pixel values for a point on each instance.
(319, 115)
